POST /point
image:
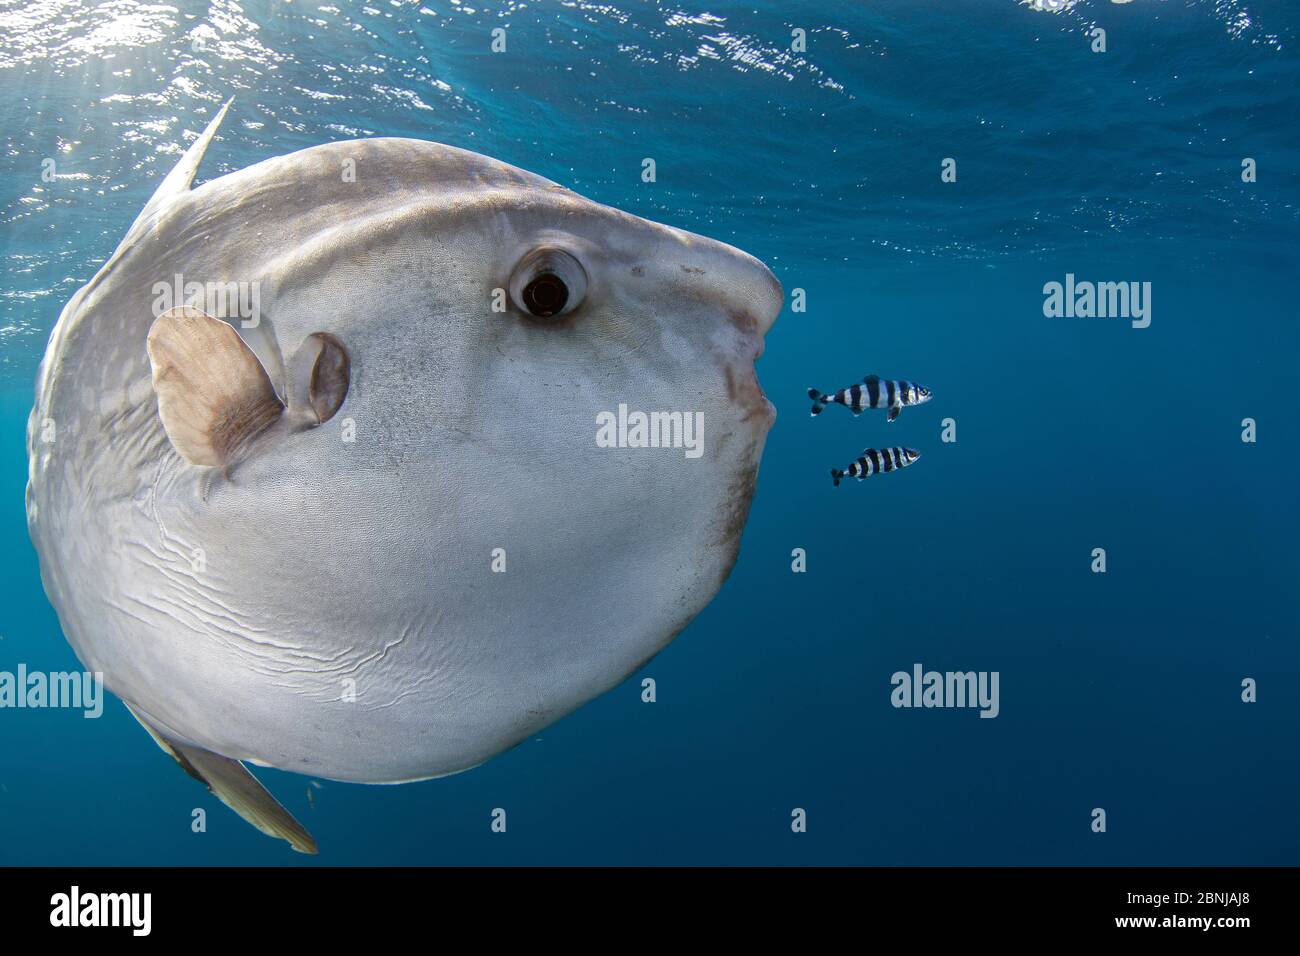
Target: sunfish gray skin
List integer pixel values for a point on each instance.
(284, 543)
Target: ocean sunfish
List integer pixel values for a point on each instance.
(315, 475)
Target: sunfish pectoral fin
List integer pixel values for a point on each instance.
(214, 396)
(181, 176)
(232, 784)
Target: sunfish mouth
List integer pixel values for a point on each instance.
(768, 297)
(762, 299)
(751, 294)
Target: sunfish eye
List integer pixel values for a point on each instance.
(548, 282)
(546, 294)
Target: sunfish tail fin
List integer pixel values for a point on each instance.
(818, 399)
(232, 784)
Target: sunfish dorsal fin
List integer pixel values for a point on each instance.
(182, 175)
(232, 784)
(214, 396)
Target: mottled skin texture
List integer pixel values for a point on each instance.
(326, 561)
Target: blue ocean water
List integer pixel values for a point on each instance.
(1120, 691)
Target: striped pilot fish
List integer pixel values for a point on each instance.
(874, 461)
(874, 392)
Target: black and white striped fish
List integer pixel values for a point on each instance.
(874, 461)
(874, 392)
